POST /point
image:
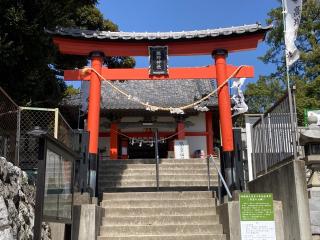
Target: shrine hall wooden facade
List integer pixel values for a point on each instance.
(116, 120)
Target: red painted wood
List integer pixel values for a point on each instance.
(209, 130)
(183, 47)
(94, 105)
(196, 134)
(114, 141)
(181, 131)
(224, 104)
(150, 134)
(208, 72)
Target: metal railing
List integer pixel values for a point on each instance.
(221, 179)
(273, 136)
(157, 158)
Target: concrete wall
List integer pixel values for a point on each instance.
(197, 143)
(57, 231)
(229, 216)
(86, 221)
(314, 204)
(288, 185)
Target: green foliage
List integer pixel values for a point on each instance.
(70, 91)
(29, 62)
(305, 73)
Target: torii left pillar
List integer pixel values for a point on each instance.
(94, 107)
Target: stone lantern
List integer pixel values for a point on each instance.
(310, 139)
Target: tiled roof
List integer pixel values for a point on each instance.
(164, 93)
(198, 34)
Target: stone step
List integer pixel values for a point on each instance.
(158, 195)
(168, 237)
(123, 172)
(153, 166)
(158, 203)
(169, 211)
(117, 231)
(152, 183)
(152, 161)
(163, 177)
(157, 220)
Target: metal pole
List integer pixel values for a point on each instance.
(157, 157)
(293, 128)
(56, 122)
(208, 171)
(222, 179)
(18, 138)
(264, 143)
(41, 177)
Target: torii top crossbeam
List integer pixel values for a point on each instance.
(215, 42)
(233, 39)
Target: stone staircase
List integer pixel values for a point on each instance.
(117, 175)
(160, 215)
(182, 209)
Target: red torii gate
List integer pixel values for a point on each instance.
(216, 42)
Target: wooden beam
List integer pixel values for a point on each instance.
(185, 47)
(208, 72)
(114, 141)
(150, 134)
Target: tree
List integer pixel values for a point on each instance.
(305, 73)
(29, 62)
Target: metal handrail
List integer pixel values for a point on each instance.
(210, 157)
(157, 158)
(208, 172)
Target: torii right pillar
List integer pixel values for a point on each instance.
(224, 103)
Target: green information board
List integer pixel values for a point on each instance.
(256, 207)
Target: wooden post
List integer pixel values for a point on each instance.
(181, 130)
(94, 102)
(209, 131)
(224, 101)
(114, 141)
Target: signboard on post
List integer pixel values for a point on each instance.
(257, 216)
(158, 57)
(181, 149)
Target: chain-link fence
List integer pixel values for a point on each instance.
(16, 123)
(48, 120)
(8, 127)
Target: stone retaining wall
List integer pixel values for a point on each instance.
(17, 200)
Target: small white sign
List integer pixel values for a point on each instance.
(262, 230)
(181, 149)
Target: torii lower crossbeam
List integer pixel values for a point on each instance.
(208, 72)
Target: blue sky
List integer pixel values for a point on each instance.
(177, 15)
